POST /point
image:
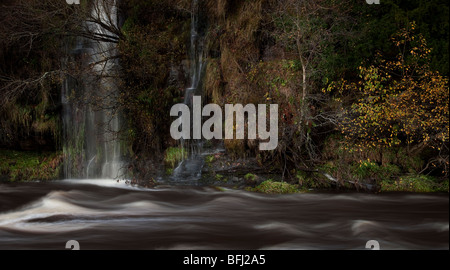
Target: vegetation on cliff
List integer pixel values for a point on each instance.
(362, 89)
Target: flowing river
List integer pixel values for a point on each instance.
(106, 214)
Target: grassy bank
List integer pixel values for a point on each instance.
(415, 183)
(30, 165)
(406, 183)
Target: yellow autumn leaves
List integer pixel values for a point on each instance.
(398, 101)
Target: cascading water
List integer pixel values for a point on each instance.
(90, 115)
(196, 56)
(189, 170)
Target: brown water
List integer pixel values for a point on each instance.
(104, 214)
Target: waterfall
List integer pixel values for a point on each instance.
(195, 56)
(189, 170)
(91, 118)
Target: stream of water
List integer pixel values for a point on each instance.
(90, 113)
(189, 170)
(106, 214)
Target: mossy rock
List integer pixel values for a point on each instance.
(271, 187)
(251, 179)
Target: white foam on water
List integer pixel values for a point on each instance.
(111, 183)
(53, 204)
(283, 227)
(362, 226)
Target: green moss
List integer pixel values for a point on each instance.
(209, 159)
(250, 177)
(219, 177)
(169, 171)
(27, 166)
(271, 187)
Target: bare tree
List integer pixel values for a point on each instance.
(26, 24)
(35, 37)
(304, 29)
